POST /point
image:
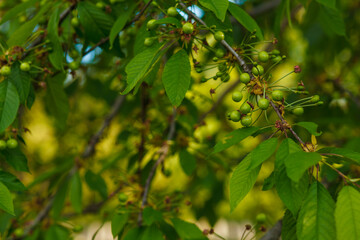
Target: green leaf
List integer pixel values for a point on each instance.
(176, 77)
(269, 182)
(56, 55)
(120, 23)
(234, 137)
(152, 233)
(290, 192)
(96, 23)
(57, 100)
(297, 163)
(186, 230)
(118, 222)
(316, 218)
(287, 147)
(242, 180)
(347, 214)
(20, 35)
(16, 10)
(245, 19)
(9, 104)
(11, 182)
(328, 3)
(21, 80)
(310, 127)
(60, 197)
(187, 162)
(218, 7)
(263, 152)
(57, 232)
(138, 67)
(348, 155)
(16, 159)
(151, 215)
(332, 21)
(6, 202)
(96, 183)
(133, 233)
(76, 192)
(288, 230)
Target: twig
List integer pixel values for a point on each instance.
(276, 109)
(104, 40)
(144, 104)
(274, 233)
(90, 148)
(163, 153)
(219, 100)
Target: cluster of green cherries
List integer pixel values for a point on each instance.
(243, 114)
(6, 70)
(11, 143)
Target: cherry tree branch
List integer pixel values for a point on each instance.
(90, 148)
(163, 153)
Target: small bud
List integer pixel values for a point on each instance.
(206, 232)
(263, 229)
(297, 69)
(211, 231)
(275, 41)
(247, 226)
(320, 103)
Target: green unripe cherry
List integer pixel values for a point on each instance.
(258, 70)
(277, 59)
(78, 228)
(225, 77)
(245, 78)
(75, 22)
(275, 52)
(298, 111)
(18, 232)
(74, 65)
(220, 53)
(246, 121)
(172, 12)
(261, 218)
(235, 116)
(237, 96)
(122, 197)
(277, 95)
(219, 36)
(5, 70)
(151, 24)
(222, 67)
(263, 104)
(245, 108)
(2, 145)
(188, 28)
(100, 5)
(148, 42)
(219, 74)
(263, 56)
(25, 67)
(315, 99)
(11, 143)
(215, 59)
